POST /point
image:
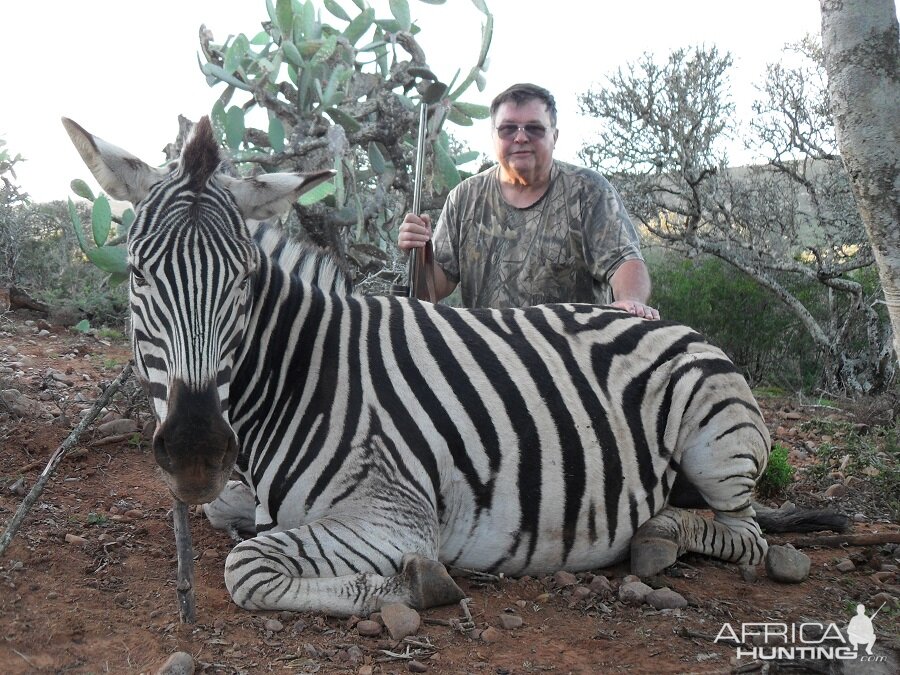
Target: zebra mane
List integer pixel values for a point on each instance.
(310, 263)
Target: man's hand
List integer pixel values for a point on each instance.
(636, 308)
(415, 232)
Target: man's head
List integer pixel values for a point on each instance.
(524, 130)
(524, 92)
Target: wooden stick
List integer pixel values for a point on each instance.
(838, 540)
(16, 521)
(187, 606)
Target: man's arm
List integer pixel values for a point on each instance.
(630, 285)
(415, 231)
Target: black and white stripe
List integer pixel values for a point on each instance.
(374, 436)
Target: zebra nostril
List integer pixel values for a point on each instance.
(161, 454)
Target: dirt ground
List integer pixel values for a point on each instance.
(88, 584)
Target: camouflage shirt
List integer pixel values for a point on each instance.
(563, 248)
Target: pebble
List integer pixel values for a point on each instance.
(879, 598)
(416, 667)
(180, 663)
(836, 491)
(787, 565)
(75, 539)
(134, 513)
(12, 351)
(845, 565)
(490, 634)
(665, 598)
(634, 592)
(274, 625)
(882, 578)
(365, 670)
(355, 654)
(400, 620)
(510, 621)
(860, 518)
(117, 428)
(579, 593)
(630, 578)
(563, 578)
(368, 628)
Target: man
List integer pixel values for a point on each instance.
(533, 230)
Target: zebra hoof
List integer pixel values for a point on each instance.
(649, 556)
(429, 582)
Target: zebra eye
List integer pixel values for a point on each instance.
(245, 282)
(139, 280)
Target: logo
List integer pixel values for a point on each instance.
(810, 640)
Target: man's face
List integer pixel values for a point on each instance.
(523, 155)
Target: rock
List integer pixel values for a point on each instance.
(117, 428)
(860, 518)
(180, 663)
(18, 403)
(600, 585)
(355, 654)
(510, 621)
(630, 578)
(274, 625)
(881, 578)
(368, 628)
(12, 351)
(416, 667)
(365, 670)
(845, 565)
(563, 578)
(665, 598)
(889, 600)
(134, 513)
(836, 491)
(634, 592)
(579, 593)
(75, 539)
(490, 634)
(787, 565)
(400, 620)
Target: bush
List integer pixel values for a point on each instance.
(778, 474)
(765, 340)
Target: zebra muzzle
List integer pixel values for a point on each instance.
(195, 446)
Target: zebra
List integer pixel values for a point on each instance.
(380, 439)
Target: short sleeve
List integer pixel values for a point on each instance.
(609, 236)
(446, 237)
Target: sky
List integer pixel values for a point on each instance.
(126, 70)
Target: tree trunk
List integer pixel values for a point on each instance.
(862, 57)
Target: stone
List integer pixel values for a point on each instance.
(368, 628)
(365, 670)
(416, 667)
(845, 565)
(787, 565)
(510, 621)
(886, 598)
(400, 620)
(579, 593)
(180, 663)
(117, 428)
(665, 598)
(490, 634)
(274, 625)
(563, 578)
(630, 578)
(634, 592)
(75, 539)
(836, 491)
(601, 586)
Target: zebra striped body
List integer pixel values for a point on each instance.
(375, 436)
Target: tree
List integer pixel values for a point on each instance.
(786, 223)
(303, 94)
(862, 56)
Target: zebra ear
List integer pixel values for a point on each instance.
(271, 194)
(119, 173)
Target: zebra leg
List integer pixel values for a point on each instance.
(234, 510)
(723, 464)
(330, 566)
(658, 542)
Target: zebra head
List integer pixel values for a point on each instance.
(191, 270)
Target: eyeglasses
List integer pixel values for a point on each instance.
(533, 131)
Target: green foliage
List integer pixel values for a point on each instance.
(97, 519)
(778, 474)
(765, 340)
(340, 89)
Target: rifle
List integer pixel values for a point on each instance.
(420, 270)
